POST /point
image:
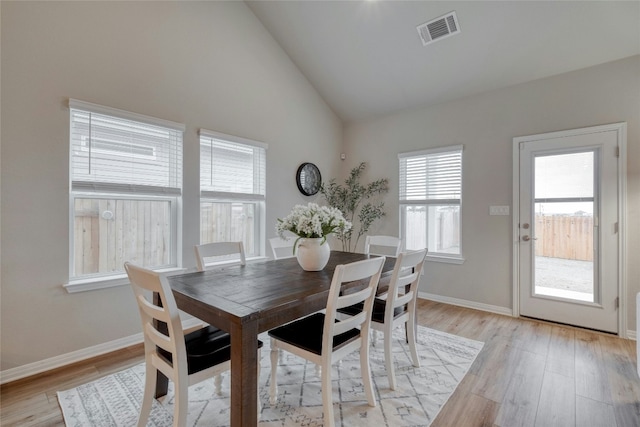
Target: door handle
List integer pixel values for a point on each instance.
(527, 238)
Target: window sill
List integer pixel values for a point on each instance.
(447, 259)
(109, 281)
(122, 279)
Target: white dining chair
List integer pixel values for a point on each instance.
(323, 339)
(398, 307)
(219, 252)
(382, 245)
(208, 254)
(282, 248)
(184, 359)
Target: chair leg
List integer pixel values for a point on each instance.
(411, 335)
(365, 370)
(147, 397)
(181, 405)
(388, 355)
(273, 388)
(259, 406)
(327, 396)
(218, 383)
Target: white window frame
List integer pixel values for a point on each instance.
(120, 191)
(427, 202)
(258, 199)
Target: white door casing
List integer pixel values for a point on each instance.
(608, 145)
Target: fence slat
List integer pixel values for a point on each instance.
(139, 231)
(566, 237)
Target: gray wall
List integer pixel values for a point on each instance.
(486, 124)
(212, 65)
(209, 65)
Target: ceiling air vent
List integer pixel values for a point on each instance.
(439, 28)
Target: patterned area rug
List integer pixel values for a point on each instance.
(115, 399)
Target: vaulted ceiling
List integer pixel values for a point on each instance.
(366, 58)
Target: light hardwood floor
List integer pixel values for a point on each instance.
(529, 373)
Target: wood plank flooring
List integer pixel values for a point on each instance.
(529, 373)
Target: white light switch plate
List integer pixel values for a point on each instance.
(498, 210)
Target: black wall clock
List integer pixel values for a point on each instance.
(308, 179)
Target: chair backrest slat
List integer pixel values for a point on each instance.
(282, 248)
(349, 323)
(218, 250)
(352, 298)
(382, 245)
(402, 300)
(152, 310)
(158, 338)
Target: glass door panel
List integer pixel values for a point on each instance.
(564, 202)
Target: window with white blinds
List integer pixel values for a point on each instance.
(114, 153)
(126, 183)
(430, 197)
(232, 190)
(232, 166)
(431, 176)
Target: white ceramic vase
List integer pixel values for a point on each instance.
(313, 254)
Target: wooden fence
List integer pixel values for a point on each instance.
(228, 222)
(446, 237)
(567, 237)
(109, 232)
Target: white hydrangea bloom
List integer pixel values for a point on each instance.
(313, 221)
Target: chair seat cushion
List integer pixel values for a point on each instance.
(306, 333)
(379, 306)
(206, 347)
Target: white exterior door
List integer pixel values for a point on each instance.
(568, 227)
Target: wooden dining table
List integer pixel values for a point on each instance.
(254, 298)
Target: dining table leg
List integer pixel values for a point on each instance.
(244, 374)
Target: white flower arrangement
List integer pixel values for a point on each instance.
(313, 221)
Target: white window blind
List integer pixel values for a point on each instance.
(431, 176)
(231, 167)
(120, 152)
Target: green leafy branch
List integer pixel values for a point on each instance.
(356, 200)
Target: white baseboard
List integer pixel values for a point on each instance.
(632, 335)
(68, 358)
(467, 304)
(34, 368)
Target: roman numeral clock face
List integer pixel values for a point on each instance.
(308, 179)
